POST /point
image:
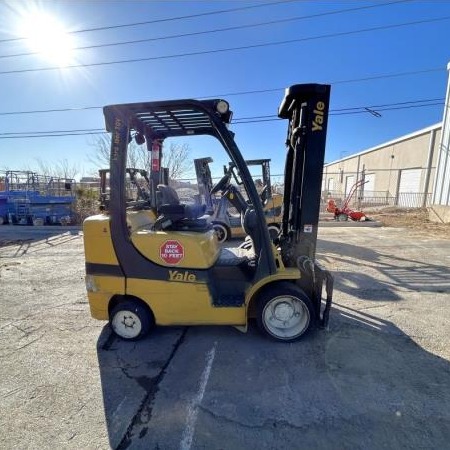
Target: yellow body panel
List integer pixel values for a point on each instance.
(175, 303)
(140, 219)
(199, 250)
(100, 249)
(105, 288)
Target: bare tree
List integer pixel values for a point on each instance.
(61, 169)
(176, 158)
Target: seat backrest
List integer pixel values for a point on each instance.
(167, 195)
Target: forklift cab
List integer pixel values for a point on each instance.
(172, 270)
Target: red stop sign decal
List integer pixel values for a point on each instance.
(171, 252)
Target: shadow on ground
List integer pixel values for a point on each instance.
(33, 239)
(362, 385)
(353, 265)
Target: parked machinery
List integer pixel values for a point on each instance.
(225, 218)
(343, 213)
(28, 198)
(172, 270)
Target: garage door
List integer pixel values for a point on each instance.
(349, 182)
(410, 181)
(331, 184)
(409, 188)
(369, 185)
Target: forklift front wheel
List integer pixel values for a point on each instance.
(221, 231)
(342, 217)
(285, 313)
(130, 320)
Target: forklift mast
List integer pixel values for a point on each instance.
(204, 177)
(306, 108)
(204, 181)
(265, 168)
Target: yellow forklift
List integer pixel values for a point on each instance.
(226, 222)
(168, 268)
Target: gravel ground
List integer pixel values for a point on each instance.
(378, 378)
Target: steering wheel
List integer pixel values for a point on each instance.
(222, 184)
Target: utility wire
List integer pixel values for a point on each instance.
(362, 108)
(230, 49)
(238, 121)
(230, 94)
(168, 19)
(220, 30)
(352, 80)
(53, 131)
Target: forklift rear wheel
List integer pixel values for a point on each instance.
(130, 320)
(285, 313)
(342, 217)
(222, 232)
(273, 231)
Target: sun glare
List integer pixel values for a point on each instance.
(48, 38)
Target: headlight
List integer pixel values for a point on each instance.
(222, 106)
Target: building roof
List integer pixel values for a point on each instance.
(388, 143)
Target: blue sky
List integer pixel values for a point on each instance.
(346, 61)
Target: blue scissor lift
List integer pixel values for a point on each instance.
(27, 198)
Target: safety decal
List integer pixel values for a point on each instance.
(171, 252)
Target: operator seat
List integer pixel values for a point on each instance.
(167, 195)
(175, 216)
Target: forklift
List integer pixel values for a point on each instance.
(226, 222)
(168, 268)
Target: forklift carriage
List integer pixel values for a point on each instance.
(157, 261)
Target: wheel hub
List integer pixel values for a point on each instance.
(128, 321)
(283, 311)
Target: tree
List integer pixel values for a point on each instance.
(176, 158)
(59, 169)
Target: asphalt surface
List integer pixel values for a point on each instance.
(378, 378)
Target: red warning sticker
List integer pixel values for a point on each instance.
(171, 252)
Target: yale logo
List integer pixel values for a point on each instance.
(318, 119)
(185, 277)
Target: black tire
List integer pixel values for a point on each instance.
(292, 303)
(222, 232)
(131, 314)
(342, 217)
(273, 231)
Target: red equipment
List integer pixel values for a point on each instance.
(343, 214)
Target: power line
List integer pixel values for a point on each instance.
(238, 121)
(230, 49)
(39, 111)
(53, 131)
(220, 30)
(168, 19)
(52, 135)
(362, 109)
(230, 94)
(274, 118)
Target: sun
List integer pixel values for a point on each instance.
(47, 37)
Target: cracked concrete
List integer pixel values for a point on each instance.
(377, 379)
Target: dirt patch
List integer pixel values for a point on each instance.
(415, 219)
